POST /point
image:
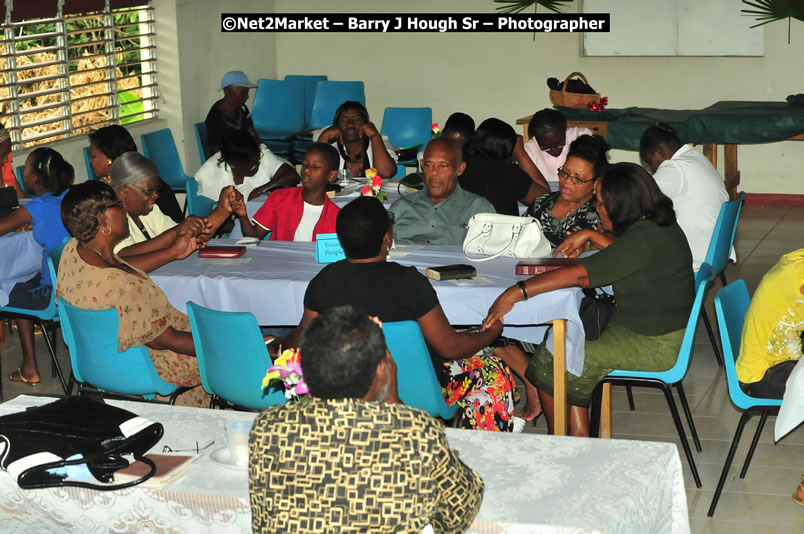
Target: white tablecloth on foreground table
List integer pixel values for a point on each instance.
(271, 285)
(534, 484)
(20, 260)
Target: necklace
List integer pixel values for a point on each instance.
(114, 264)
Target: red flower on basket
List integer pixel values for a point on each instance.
(600, 105)
(286, 373)
(374, 189)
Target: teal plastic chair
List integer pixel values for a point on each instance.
(731, 304)
(328, 98)
(672, 377)
(717, 255)
(198, 205)
(307, 84)
(408, 127)
(21, 180)
(160, 148)
(91, 336)
(202, 139)
(417, 383)
(278, 114)
(47, 319)
(232, 358)
(90, 172)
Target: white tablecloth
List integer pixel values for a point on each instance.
(791, 414)
(272, 283)
(20, 260)
(534, 484)
(350, 193)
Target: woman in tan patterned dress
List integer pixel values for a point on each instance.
(92, 277)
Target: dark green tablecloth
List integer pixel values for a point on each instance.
(723, 122)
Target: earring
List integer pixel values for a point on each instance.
(107, 230)
(109, 160)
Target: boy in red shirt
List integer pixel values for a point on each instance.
(298, 213)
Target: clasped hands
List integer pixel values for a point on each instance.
(194, 232)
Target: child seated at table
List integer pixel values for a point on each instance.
(298, 213)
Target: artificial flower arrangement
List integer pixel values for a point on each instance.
(374, 186)
(600, 105)
(436, 130)
(286, 373)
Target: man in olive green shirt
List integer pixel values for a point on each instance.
(437, 215)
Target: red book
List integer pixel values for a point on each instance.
(530, 267)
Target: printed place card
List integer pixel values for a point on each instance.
(328, 249)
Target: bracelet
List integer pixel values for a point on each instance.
(523, 288)
(268, 343)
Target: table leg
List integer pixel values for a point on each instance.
(605, 412)
(730, 167)
(559, 377)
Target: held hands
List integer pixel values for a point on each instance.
(502, 305)
(193, 226)
(184, 245)
(239, 207)
(574, 244)
(228, 195)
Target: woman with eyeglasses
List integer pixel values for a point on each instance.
(573, 206)
(93, 277)
(47, 177)
(153, 237)
(247, 165)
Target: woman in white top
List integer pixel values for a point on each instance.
(245, 164)
(692, 183)
(154, 239)
(549, 144)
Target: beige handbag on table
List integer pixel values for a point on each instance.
(494, 235)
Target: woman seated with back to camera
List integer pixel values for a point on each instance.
(649, 265)
(153, 237)
(574, 206)
(490, 172)
(359, 142)
(106, 145)
(470, 375)
(93, 277)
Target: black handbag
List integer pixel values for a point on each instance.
(35, 444)
(8, 200)
(596, 310)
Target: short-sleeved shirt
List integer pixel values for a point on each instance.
(154, 223)
(48, 228)
(418, 221)
(774, 320)
(218, 124)
(501, 183)
(650, 269)
(697, 192)
(386, 290)
(548, 165)
(555, 230)
(214, 175)
(283, 210)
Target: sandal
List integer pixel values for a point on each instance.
(800, 488)
(17, 376)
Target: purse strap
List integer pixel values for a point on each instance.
(516, 230)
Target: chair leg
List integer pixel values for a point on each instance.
(671, 403)
(726, 466)
(686, 407)
(53, 356)
(754, 442)
(712, 338)
(55, 349)
(723, 278)
(630, 397)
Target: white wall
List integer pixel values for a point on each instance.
(503, 75)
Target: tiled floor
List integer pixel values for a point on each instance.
(759, 503)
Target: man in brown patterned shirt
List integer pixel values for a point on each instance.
(354, 459)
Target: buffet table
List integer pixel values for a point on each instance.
(534, 484)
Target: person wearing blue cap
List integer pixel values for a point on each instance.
(230, 112)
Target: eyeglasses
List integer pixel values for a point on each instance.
(577, 180)
(117, 204)
(146, 192)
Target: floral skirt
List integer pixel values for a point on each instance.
(483, 388)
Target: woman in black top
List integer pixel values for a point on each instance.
(490, 172)
(469, 374)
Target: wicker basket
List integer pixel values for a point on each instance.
(572, 100)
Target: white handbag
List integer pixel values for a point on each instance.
(494, 235)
